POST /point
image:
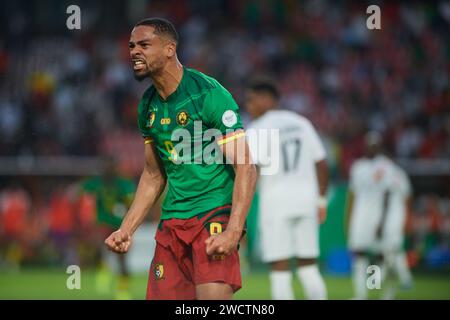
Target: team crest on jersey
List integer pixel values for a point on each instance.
(159, 271)
(151, 119)
(182, 118)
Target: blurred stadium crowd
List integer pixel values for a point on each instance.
(72, 93)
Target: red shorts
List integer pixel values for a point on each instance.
(180, 261)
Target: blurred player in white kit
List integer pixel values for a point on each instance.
(392, 234)
(292, 198)
(370, 183)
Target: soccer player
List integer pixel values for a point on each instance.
(370, 182)
(113, 195)
(15, 205)
(292, 198)
(206, 204)
(392, 234)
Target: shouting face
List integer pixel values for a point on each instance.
(149, 52)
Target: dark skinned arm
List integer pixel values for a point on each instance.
(238, 154)
(150, 187)
(322, 181)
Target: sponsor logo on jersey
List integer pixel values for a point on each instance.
(159, 271)
(229, 118)
(165, 121)
(182, 118)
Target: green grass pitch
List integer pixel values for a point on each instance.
(51, 284)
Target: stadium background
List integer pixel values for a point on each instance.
(68, 98)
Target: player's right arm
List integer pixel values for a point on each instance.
(408, 194)
(350, 198)
(348, 209)
(319, 156)
(151, 185)
(322, 181)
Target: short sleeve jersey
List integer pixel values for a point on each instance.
(186, 130)
(286, 147)
(369, 180)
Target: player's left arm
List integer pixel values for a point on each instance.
(221, 112)
(387, 180)
(408, 198)
(319, 156)
(384, 214)
(237, 153)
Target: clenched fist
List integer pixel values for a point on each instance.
(222, 243)
(119, 241)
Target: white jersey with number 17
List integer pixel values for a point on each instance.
(291, 189)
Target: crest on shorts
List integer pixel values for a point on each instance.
(159, 271)
(182, 118)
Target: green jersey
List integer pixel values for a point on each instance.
(178, 127)
(113, 197)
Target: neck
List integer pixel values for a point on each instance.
(263, 111)
(167, 81)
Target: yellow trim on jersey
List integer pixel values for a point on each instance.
(231, 137)
(148, 140)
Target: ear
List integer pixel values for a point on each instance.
(171, 49)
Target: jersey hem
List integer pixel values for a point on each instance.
(215, 211)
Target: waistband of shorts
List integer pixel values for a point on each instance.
(204, 216)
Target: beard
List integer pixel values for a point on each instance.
(150, 70)
(140, 76)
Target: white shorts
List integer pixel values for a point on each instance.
(362, 232)
(392, 242)
(284, 238)
(393, 235)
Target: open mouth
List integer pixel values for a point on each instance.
(138, 65)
